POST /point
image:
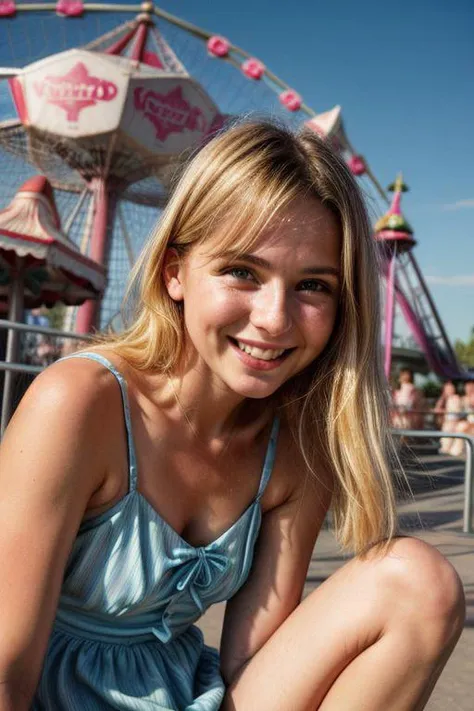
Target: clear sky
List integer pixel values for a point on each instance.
(404, 74)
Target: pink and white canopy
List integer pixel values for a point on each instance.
(53, 268)
(110, 117)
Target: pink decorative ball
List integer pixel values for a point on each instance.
(291, 100)
(253, 68)
(7, 8)
(70, 8)
(218, 46)
(356, 165)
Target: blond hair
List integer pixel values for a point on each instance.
(338, 407)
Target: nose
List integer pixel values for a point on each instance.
(271, 310)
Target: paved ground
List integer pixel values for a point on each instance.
(434, 514)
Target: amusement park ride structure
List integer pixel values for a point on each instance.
(110, 121)
(405, 285)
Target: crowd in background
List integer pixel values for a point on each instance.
(38, 348)
(453, 411)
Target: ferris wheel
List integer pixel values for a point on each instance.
(106, 101)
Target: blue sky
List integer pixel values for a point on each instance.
(403, 73)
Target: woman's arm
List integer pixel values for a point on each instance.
(275, 585)
(50, 465)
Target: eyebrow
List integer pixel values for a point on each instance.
(260, 262)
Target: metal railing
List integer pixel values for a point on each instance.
(16, 326)
(11, 367)
(468, 468)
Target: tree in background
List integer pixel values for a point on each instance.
(56, 315)
(465, 350)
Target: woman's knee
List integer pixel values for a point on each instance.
(425, 590)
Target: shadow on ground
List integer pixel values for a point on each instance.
(419, 521)
(431, 474)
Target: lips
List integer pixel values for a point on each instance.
(260, 353)
(259, 358)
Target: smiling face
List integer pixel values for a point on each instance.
(254, 320)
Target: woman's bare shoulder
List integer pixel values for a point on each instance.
(78, 384)
(71, 404)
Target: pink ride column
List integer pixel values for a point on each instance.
(396, 236)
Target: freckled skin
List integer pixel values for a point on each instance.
(279, 305)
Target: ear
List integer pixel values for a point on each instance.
(172, 274)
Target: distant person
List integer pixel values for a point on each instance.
(37, 317)
(439, 408)
(466, 424)
(31, 339)
(450, 407)
(469, 403)
(40, 348)
(408, 402)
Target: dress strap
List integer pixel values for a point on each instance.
(269, 458)
(132, 459)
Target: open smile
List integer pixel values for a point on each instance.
(259, 358)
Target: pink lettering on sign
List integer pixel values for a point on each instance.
(75, 90)
(169, 113)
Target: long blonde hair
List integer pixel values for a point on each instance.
(338, 407)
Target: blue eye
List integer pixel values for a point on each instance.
(240, 273)
(313, 285)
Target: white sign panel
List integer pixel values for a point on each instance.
(167, 114)
(75, 93)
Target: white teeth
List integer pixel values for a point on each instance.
(259, 353)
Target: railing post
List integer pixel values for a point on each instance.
(467, 519)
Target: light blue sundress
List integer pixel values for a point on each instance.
(124, 635)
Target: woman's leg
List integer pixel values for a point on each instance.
(373, 637)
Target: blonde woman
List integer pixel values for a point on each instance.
(193, 459)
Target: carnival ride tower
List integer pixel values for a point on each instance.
(406, 287)
(396, 237)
